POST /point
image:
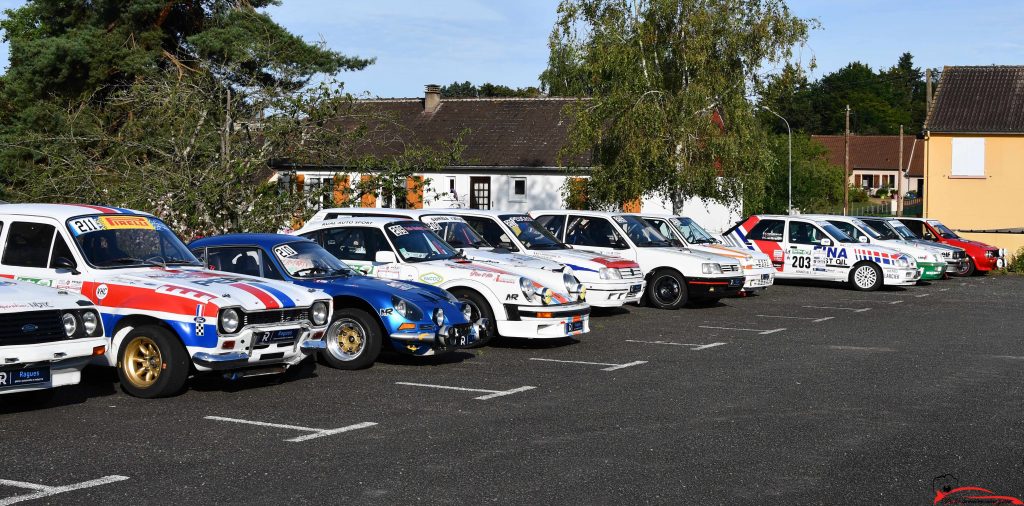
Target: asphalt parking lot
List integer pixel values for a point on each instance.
(807, 394)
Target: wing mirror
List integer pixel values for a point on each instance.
(66, 264)
(863, 238)
(385, 257)
(826, 242)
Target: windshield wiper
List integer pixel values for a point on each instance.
(481, 244)
(133, 260)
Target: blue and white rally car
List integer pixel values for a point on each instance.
(416, 318)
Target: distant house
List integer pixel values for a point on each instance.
(974, 153)
(510, 161)
(874, 160)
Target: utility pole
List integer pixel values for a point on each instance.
(899, 179)
(928, 92)
(846, 171)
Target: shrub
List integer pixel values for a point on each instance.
(858, 195)
(1016, 262)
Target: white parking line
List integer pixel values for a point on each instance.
(315, 432)
(696, 347)
(41, 491)
(813, 320)
(491, 393)
(943, 289)
(1010, 357)
(612, 367)
(860, 348)
(922, 295)
(854, 309)
(759, 331)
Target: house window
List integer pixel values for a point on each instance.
(968, 157)
(517, 190)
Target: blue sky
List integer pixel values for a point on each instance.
(418, 42)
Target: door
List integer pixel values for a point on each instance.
(804, 255)
(597, 234)
(356, 246)
(480, 192)
(768, 237)
(31, 251)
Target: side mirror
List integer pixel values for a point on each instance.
(826, 242)
(66, 264)
(385, 257)
(863, 238)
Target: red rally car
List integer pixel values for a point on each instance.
(981, 257)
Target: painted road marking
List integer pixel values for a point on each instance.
(759, 331)
(315, 432)
(1010, 357)
(873, 301)
(860, 348)
(41, 491)
(612, 367)
(854, 309)
(813, 320)
(491, 393)
(922, 295)
(697, 347)
(943, 289)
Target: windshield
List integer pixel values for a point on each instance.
(456, 232)
(416, 243)
(307, 260)
(117, 241)
(835, 232)
(532, 234)
(872, 233)
(642, 233)
(883, 230)
(902, 230)
(692, 232)
(944, 231)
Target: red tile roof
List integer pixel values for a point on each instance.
(875, 152)
(979, 100)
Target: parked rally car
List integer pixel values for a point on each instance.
(929, 259)
(674, 275)
(163, 314)
(415, 318)
(457, 233)
(808, 248)
(893, 229)
(757, 267)
(513, 305)
(981, 257)
(610, 281)
(46, 337)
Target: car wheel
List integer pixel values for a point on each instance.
(866, 277)
(152, 363)
(353, 340)
(479, 308)
(667, 290)
(968, 269)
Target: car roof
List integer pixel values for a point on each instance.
(461, 211)
(354, 220)
(64, 211)
(262, 240)
(605, 214)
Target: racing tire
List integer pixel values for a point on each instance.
(866, 277)
(969, 268)
(354, 339)
(479, 308)
(152, 363)
(667, 290)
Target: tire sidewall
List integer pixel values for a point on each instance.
(652, 287)
(374, 337)
(176, 363)
(480, 302)
(878, 277)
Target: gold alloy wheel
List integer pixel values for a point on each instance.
(143, 362)
(350, 340)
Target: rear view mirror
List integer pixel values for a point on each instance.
(385, 257)
(66, 264)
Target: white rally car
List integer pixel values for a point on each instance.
(163, 314)
(457, 233)
(674, 275)
(513, 305)
(891, 228)
(757, 267)
(610, 281)
(929, 259)
(807, 248)
(46, 337)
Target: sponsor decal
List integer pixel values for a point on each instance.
(6, 283)
(387, 311)
(200, 320)
(512, 296)
(397, 285)
(398, 230)
(285, 251)
(101, 292)
(177, 291)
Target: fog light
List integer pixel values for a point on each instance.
(228, 345)
(99, 350)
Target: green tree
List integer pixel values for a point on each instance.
(668, 81)
(817, 184)
(487, 90)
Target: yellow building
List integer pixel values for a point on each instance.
(974, 154)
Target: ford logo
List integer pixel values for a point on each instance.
(28, 328)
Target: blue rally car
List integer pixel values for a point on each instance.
(419, 319)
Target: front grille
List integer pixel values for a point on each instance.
(17, 328)
(630, 273)
(730, 268)
(959, 254)
(273, 316)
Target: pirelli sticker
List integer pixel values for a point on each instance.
(81, 226)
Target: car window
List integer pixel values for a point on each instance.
(847, 228)
(917, 228)
(269, 269)
(767, 230)
(61, 250)
(28, 244)
(355, 243)
(593, 231)
(238, 260)
(555, 224)
(491, 231)
(804, 233)
(662, 226)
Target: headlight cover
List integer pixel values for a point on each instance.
(711, 268)
(318, 313)
(438, 317)
(229, 320)
(607, 273)
(467, 311)
(407, 309)
(70, 324)
(526, 286)
(903, 262)
(91, 322)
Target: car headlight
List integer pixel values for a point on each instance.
(990, 253)
(572, 285)
(318, 312)
(606, 273)
(1002, 252)
(711, 268)
(70, 324)
(408, 310)
(467, 311)
(229, 321)
(438, 317)
(90, 322)
(903, 262)
(526, 286)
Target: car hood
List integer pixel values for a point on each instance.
(968, 243)
(580, 260)
(364, 287)
(705, 256)
(16, 297)
(507, 259)
(718, 249)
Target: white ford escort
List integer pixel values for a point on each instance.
(46, 337)
(513, 305)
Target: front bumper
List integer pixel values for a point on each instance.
(445, 337)
(545, 322)
(932, 270)
(986, 263)
(756, 279)
(901, 277)
(285, 353)
(711, 288)
(614, 293)
(66, 360)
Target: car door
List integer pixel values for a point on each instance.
(667, 230)
(804, 254)
(492, 231)
(37, 250)
(597, 234)
(768, 236)
(246, 260)
(356, 246)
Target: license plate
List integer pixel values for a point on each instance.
(634, 288)
(30, 376)
(576, 326)
(277, 336)
(735, 282)
(766, 277)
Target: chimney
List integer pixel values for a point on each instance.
(432, 98)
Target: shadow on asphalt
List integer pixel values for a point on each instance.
(837, 285)
(532, 344)
(96, 382)
(395, 358)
